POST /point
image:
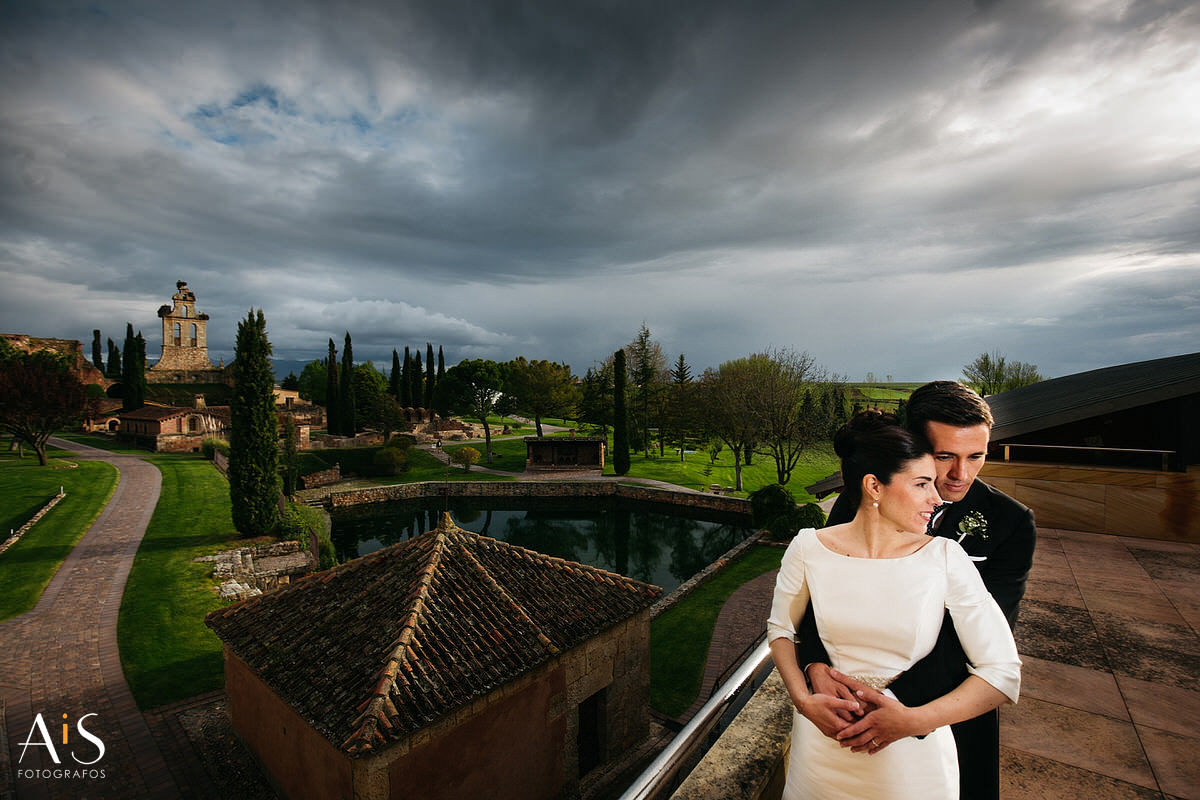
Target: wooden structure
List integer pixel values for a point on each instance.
(564, 453)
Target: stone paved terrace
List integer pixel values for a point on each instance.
(1110, 699)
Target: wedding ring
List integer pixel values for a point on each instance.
(875, 741)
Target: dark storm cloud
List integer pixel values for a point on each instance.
(541, 177)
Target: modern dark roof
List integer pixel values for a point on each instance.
(1071, 398)
(567, 439)
(384, 645)
(826, 486)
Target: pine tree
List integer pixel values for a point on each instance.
(430, 376)
(394, 378)
(347, 418)
(620, 454)
(406, 398)
(418, 396)
(680, 402)
(253, 445)
(333, 402)
(97, 353)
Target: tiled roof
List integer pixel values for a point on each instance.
(384, 645)
(155, 412)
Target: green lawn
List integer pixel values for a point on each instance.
(423, 466)
(815, 464)
(104, 443)
(27, 566)
(509, 456)
(679, 638)
(166, 650)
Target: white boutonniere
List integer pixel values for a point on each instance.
(972, 524)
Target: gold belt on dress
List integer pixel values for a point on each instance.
(876, 682)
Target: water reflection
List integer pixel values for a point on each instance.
(659, 544)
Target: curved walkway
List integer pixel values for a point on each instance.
(740, 624)
(61, 658)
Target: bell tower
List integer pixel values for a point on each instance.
(185, 338)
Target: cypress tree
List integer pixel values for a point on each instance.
(416, 378)
(138, 382)
(253, 445)
(129, 372)
(347, 416)
(114, 362)
(97, 354)
(430, 378)
(333, 403)
(394, 378)
(406, 381)
(620, 454)
(440, 373)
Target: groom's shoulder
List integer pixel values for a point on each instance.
(996, 504)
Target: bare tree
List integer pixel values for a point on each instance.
(992, 373)
(725, 399)
(789, 406)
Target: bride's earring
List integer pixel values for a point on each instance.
(876, 504)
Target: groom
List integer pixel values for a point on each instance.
(995, 530)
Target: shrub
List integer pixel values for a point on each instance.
(294, 525)
(809, 515)
(773, 507)
(770, 502)
(465, 456)
(390, 461)
(213, 444)
(400, 442)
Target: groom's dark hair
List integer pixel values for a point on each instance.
(946, 401)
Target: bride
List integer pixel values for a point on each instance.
(879, 589)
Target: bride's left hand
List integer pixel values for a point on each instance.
(887, 722)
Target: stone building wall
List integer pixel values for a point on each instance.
(520, 740)
(83, 369)
(322, 478)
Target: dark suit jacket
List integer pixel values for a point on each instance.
(1006, 547)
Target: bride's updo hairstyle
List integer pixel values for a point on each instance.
(874, 443)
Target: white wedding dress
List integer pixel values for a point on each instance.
(876, 618)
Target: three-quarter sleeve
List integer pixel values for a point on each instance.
(981, 626)
(791, 593)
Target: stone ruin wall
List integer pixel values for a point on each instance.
(83, 368)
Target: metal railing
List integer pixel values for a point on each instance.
(1165, 455)
(657, 779)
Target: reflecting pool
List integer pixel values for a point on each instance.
(658, 543)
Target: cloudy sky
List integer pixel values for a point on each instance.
(893, 186)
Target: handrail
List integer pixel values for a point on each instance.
(656, 778)
(1164, 454)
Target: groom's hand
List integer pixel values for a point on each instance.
(824, 681)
